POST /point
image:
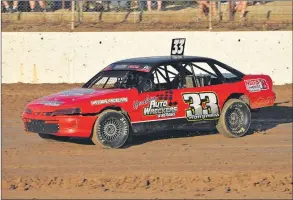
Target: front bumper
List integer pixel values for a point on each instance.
(72, 126)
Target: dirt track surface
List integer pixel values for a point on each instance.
(166, 165)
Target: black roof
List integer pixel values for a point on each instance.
(163, 59)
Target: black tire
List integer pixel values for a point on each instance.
(111, 129)
(235, 119)
(53, 137)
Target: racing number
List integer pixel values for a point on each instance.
(177, 47)
(201, 106)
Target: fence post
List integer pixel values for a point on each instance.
(210, 16)
(72, 14)
(219, 10)
(80, 11)
(230, 3)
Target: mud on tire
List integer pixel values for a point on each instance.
(235, 119)
(111, 129)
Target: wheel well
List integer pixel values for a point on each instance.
(117, 109)
(110, 108)
(240, 96)
(114, 108)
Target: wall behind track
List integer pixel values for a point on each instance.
(75, 57)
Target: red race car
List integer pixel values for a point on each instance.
(151, 94)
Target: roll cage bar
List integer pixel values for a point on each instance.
(180, 66)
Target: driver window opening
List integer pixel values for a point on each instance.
(166, 77)
(118, 79)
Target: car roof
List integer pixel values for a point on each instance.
(163, 59)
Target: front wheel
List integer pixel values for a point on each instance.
(111, 129)
(235, 119)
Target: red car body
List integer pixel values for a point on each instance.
(47, 115)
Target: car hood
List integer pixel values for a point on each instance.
(74, 96)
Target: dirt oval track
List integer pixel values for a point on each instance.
(167, 165)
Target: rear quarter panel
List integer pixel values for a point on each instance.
(259, 89)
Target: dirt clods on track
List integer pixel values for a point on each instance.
(183, 164)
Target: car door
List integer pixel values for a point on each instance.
(158, 108)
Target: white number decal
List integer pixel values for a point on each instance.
(201, 106)
(178, 46)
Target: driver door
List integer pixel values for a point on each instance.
(158, 103)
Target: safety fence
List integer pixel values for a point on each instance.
(134, 15)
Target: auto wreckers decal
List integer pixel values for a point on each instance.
(256, 85)
(202, 106)
(161, 108)
(109, 101)
(161, 105)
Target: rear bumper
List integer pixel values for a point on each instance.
(72, 126)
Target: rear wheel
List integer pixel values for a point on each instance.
(53, 137)
(235, 119)
(111, 129)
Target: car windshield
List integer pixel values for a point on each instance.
(118, 79)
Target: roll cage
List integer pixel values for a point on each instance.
(179, 81)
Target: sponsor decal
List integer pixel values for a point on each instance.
(160, 108)
(146, 68)
(107, 68)
(109, 101)
(125, 123)
(147, 100)
(76, 92)
(133, 66)
(202, 106)
(142, 68)
(241, 130)
(121, 66)
(256, 85)
(51, 103)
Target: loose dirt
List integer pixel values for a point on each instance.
(164, 165)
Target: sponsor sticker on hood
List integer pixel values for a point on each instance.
(109, 101)
(51, 103)
(76, 92)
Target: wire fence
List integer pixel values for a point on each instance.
(132, 15)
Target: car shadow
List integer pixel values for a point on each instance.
(82, 141)
(262, 120)
(270, 117)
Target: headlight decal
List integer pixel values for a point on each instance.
(69, 111)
